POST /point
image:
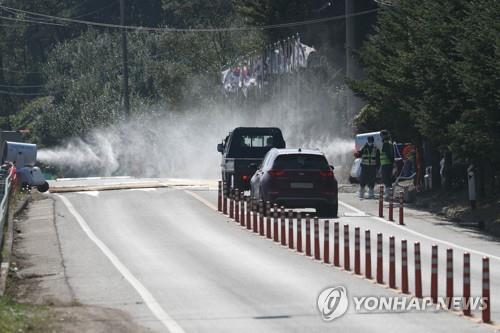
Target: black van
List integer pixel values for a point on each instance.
(243, 150)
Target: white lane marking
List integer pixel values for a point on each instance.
(148, 298)
(91, 193)
(202, 200)
(416, 233)
(364, 214)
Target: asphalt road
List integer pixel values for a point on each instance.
(175, 264)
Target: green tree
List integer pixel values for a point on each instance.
(432, 72)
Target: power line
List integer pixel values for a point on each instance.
(166, 29)
(29, 21)
(3, 92)
(21, 86)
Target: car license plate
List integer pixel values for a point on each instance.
(301, 185)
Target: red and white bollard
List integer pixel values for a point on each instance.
(316, 239)
(268, 220)
(224, 199)
(261, 217)
(326, 243)
(434, 274)
(391, 206)
(242, 209)
(255, 215)
(404, 266)
(248, 219)
(380, 257)
(418, 271)
(466, 290)
(392, 262)
(237, 206)
(219, 197)
(308, 235)
(290, 229)
(368, 256)
(401, 207)
(283, 226)
(357, 254)
(231, 206)
(449, 277)
(381, 201)
(486, 313)
(336, 245)
(275, 224)
(347, 254)
(299, 233)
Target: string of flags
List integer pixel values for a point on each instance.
(255, 70)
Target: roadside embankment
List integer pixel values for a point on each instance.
(38, 293)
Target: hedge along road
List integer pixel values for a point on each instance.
(197, 271)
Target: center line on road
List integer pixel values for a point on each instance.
(202, 200)
(416, 233)
(148, 298)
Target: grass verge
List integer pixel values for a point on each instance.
(17, 318)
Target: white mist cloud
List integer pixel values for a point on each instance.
(183, 145)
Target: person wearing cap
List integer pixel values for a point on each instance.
(370, 161)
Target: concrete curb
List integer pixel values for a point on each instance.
(8, 242)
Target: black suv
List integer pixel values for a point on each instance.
(243, 149)
(297, 178)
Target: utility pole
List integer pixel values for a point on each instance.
(126, 97)
(348, 45)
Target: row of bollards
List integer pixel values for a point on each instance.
(266, 221)
(391, 205)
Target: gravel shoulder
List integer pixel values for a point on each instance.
(38, 278)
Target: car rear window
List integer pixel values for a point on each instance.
(256, 141)
(301, 161)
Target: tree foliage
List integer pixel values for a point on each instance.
(432, 72)
(80, 69)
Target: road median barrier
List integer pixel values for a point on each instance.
(326, 243)
(347, 254)
(242, 209)
(317, 255)
(283, 226)
(392, 262)
(404, 266)
(357, 251)
(381, 201)
(368, 256)
(276, 227)
(237, 206)
(261, 217)
(299, 232)
(434, 273)
(308, 235)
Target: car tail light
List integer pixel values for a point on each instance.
(328, 173)
(245, 178)
(276, 173)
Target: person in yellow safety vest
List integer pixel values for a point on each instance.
(387, 162)
(370, 161)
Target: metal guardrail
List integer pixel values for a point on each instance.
(5, 185)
